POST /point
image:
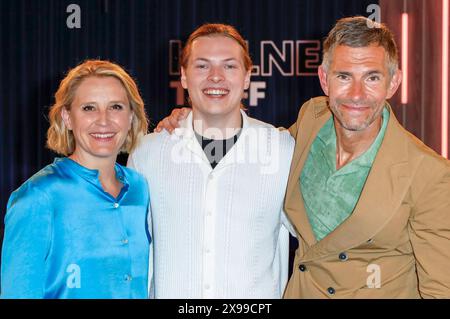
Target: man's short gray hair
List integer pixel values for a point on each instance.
(357, 32)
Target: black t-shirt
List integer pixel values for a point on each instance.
(215, 150)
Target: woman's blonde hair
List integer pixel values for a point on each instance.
(59, 138)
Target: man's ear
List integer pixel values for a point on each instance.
(323, 78)
(183, 78)
(65, 114)
(394, 84)
(247, 79)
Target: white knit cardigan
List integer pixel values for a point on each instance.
(218, 233)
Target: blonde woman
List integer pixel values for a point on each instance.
(77, 228)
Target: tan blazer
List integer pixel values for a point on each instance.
(396, 243)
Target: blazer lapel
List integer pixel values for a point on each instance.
(385, 187)
(315, 116)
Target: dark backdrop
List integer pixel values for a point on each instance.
(37, 48)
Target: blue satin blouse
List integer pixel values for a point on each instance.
(67, 238)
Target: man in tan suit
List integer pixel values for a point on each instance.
(369, 201)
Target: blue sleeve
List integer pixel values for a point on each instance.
(27, 238)
(148, 218)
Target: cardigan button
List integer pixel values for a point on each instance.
(331, 291)
(302, 268)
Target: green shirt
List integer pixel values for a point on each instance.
(330, 195)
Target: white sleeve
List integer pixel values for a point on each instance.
(130, 162)
(286, 223)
